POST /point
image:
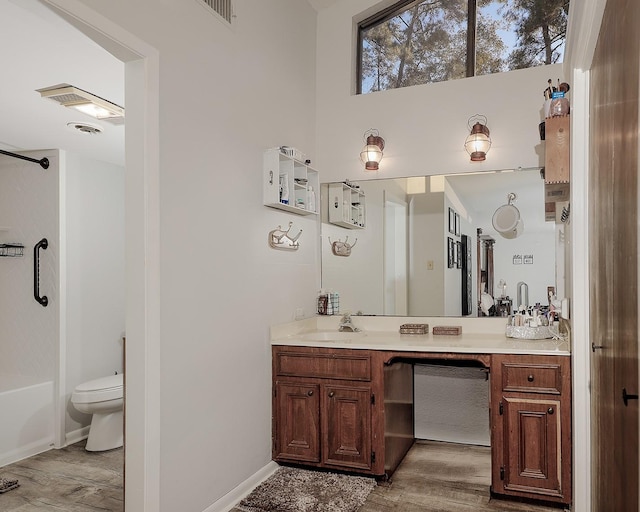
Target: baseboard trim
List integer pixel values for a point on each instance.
(76, 435)
(233, 497)
(24, 452)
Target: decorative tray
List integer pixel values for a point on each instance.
(531, 333)
(447, 330)
(414, 329)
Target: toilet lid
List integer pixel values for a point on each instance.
(102, 384)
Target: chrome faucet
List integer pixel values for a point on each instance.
(346, 325)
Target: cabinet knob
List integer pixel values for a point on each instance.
(331, 393)
(550, 410)
(310, 392)
(530, 378)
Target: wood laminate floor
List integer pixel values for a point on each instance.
(433, 477)
(70, 480)
(443, 477)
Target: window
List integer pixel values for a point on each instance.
(422, 41)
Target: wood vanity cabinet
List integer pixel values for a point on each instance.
(322, 407)
(531, 426)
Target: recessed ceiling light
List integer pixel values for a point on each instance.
(89, 129)
(87, 103)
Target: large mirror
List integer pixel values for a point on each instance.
(428, 246)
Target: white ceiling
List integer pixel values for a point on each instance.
(321, 4)
(40, 50)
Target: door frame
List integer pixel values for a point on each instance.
(142, 247)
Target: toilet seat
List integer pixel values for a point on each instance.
(99, 390)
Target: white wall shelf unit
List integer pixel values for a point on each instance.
(290, 184)
(347, 205)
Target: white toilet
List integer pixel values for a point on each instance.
(104, 399)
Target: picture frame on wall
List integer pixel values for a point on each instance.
(458, 254)
(452, 221)
(457, 224)
(450, 253)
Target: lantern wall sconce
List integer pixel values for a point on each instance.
(372, 152)
(478, 142)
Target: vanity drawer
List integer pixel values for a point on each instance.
(329, 364)
(532, 378)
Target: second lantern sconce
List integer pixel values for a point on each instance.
(478, 141)
(372, 152)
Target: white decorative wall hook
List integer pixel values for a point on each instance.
(280, 239)
(340, 248)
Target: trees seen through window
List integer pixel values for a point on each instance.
(417, 42)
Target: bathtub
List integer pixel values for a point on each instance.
(27, 412)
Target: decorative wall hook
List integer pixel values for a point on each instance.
(280, 239)
(340, 248)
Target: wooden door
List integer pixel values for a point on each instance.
(613, 225)
(532, 446)
(347, 426)
(297, 422)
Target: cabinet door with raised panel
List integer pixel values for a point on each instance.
(532, 446)
(347, 426)
(297, 422)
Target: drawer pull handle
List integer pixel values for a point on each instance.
(331, 393)
(595, 347)
(310, 392)
(530, 378)
(550, 410)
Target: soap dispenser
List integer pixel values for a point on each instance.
(311, 199)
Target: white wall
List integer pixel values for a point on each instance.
(424, 126)
(537, 276)
(29, 212)
(93, 226)
(428, 243)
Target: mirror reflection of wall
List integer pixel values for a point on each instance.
(402, 262)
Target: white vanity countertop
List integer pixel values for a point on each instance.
(479, 336)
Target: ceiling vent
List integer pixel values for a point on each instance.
(222, 7)
(88, 129)
(87, 103)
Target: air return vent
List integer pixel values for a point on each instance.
(222, 7)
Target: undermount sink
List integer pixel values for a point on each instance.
(329, 335)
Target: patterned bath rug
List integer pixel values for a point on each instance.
(301, 490)
(7, 485)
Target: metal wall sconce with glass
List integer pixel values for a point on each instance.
(372, 151)
(478, 142)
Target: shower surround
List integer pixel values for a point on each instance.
(29, 333)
